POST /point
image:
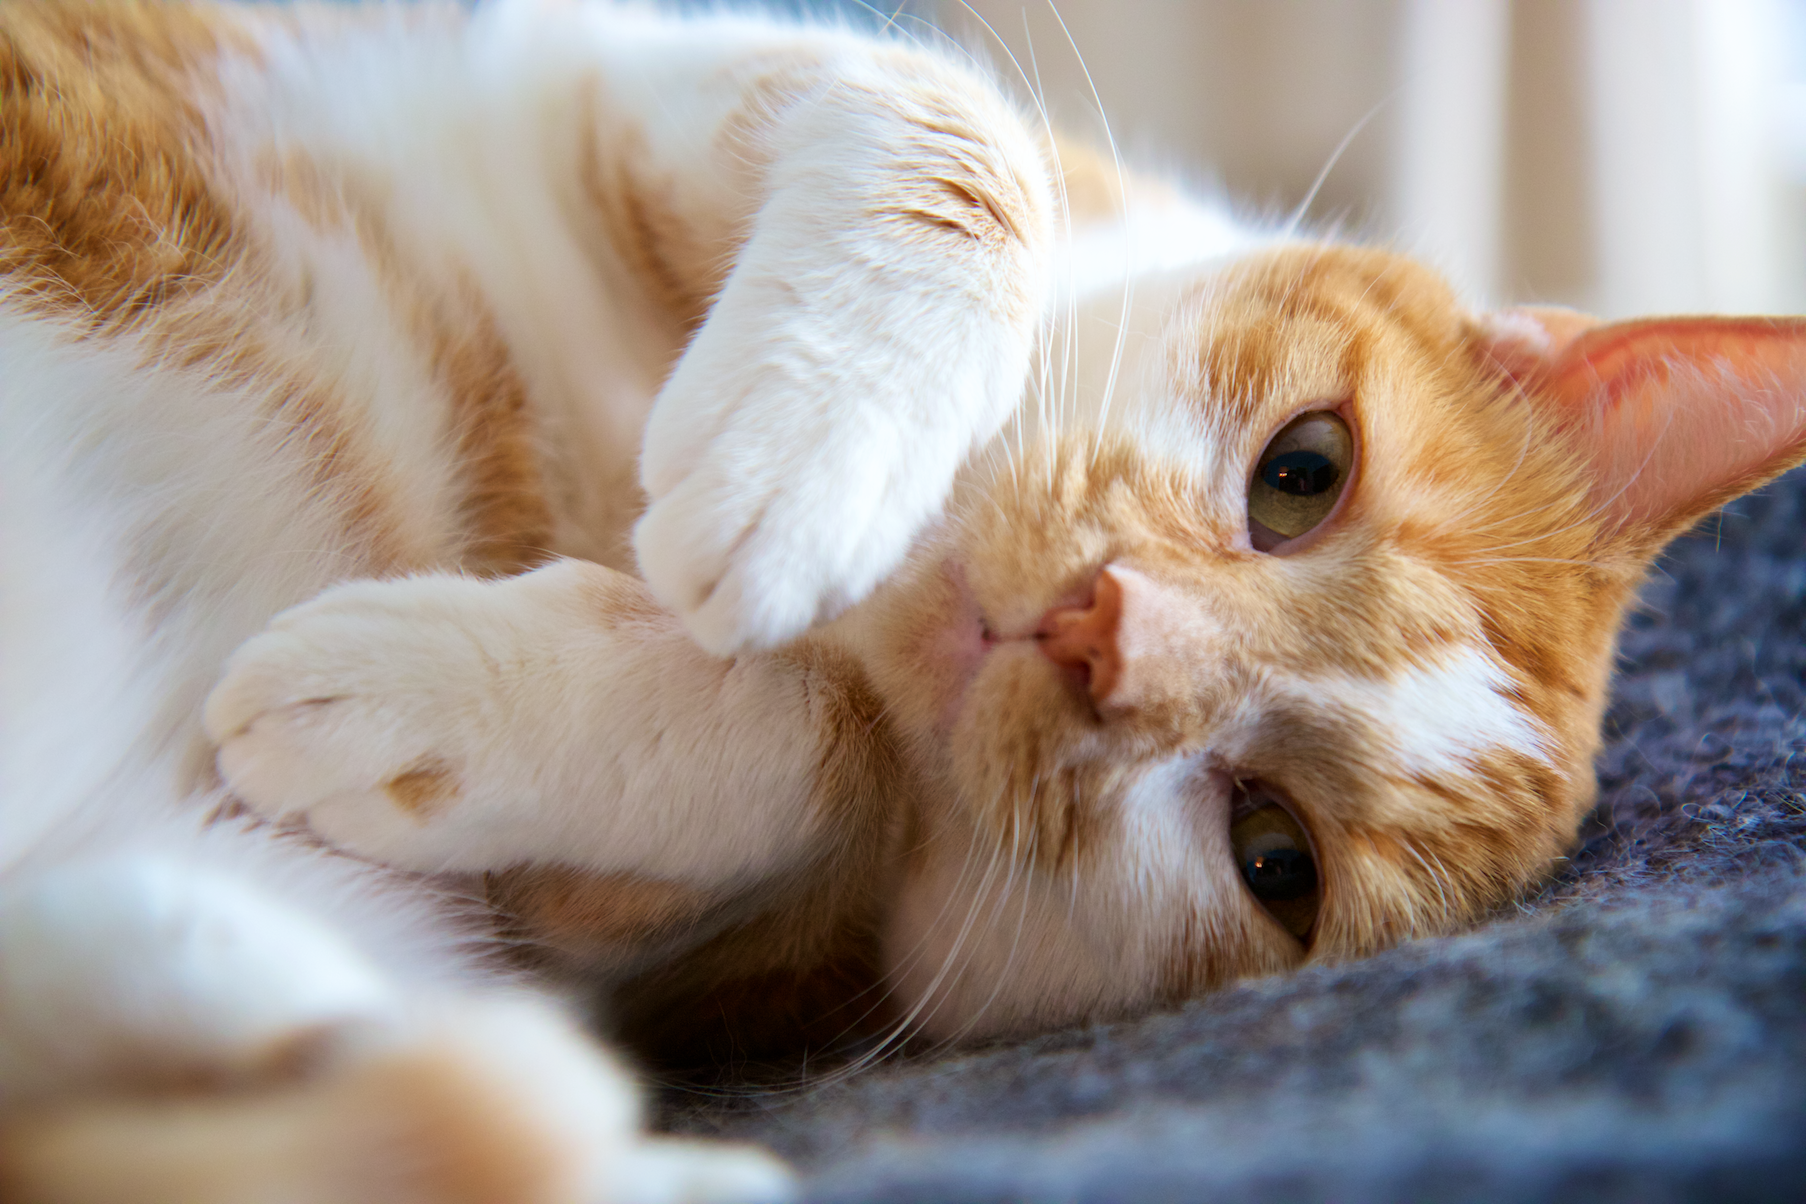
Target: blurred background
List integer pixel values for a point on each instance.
(1623, 156)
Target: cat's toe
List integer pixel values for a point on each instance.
(343, 714)
(753, 559)
(273, 717)
(707, 570)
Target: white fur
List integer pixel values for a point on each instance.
(140, 947)
(1436, 720)
(622, 751)
(176, 969)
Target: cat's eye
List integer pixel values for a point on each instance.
(1298, 478)
(1273, 854)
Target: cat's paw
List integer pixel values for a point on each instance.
(785, 489)
(789, 507)
(665, 1171)
(875, 328)
(367, 712)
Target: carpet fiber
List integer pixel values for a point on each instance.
(1634, 1032)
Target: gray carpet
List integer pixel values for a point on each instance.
(1636, 1032)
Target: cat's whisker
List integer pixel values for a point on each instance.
(1386, 273)
(933, 990)
(1128, 220)
(1072, 898)
(1310, 195)
(1604, 505)
(919, 950)
(899, 1031)
(1306, 262)
(1410, 847)
(1031, 79)
(1009, 961)
(998, 40)
(1045, 384)
(1585, 520)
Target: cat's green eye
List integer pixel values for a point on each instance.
(1274, 856)
(1298, 478)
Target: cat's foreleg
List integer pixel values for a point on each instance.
(446, 723)
(887, 219)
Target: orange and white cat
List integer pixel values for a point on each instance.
(1020, 587)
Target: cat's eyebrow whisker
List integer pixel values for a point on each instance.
(1310, 196)
(927, 35)
(1305, 264)
(1027, 81)
(1380, 277)
(1589, 516)
(1603, 504)
(1049, 324)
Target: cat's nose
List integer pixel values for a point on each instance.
(1134, 644)
(1083, 637)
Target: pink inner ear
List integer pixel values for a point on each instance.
(1680, 414)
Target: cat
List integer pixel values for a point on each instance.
(561, 475)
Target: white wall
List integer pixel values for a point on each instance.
(1626, 156)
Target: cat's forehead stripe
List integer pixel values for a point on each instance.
(1436, 720)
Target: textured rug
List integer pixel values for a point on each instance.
(1635, 1032)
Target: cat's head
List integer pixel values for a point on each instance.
(1305, 650)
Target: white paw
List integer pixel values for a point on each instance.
(874, 330)
(796, 503)
(360, 712)
(664, 1171)
(788, 481)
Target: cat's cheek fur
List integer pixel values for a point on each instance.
(1148, 907)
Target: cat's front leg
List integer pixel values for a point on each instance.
(446, 723)
(874, 328)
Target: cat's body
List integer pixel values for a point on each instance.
(300, 297)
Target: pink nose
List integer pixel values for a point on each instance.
(1084, 638)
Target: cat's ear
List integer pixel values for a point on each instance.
(1674, 416)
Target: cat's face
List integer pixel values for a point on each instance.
(1304, 654)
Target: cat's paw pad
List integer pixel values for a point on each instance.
(356, 713)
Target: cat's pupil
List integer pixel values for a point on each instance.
(1300, 473)
(1280, 874)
